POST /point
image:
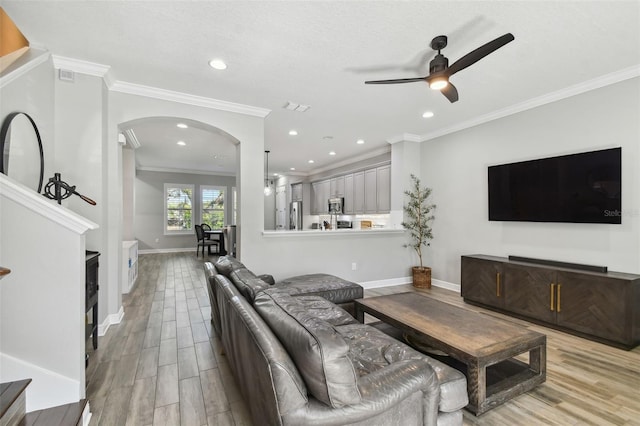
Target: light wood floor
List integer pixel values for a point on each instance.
(161, 365)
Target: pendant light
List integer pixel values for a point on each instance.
(267, 187)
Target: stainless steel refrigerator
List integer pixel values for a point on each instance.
(295, 216)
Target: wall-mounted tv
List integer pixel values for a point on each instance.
(576, 188)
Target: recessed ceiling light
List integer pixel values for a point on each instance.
(217, 64)
(360, 141)
(181, 143)
(311, 161)
(327, 138)
(292, 169)
(332, 153)
(182, 125)
(293, 132)
(427, 114)
(275, 174)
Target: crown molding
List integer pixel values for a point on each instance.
(576, 89)
(132, 138)
(184, 98)
(104, 71)
(185, 171)
(25, 63)
(405, 137)
(79, 66)
(35, 202)
(351, 160)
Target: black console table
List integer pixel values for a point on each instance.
(91, 294)
(601, 306)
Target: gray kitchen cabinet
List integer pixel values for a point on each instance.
(337, 187)
(296, 192)
(371, 191)
(348, 194)
(358, 193)
(320, 196)
(384, 189)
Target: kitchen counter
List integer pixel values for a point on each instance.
(335, 232)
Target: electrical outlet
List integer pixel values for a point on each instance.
(354, 266)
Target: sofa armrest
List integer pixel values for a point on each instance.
(381, 391)
(267, 278)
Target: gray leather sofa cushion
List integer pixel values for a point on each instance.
(453, 384)
(321, 308)
(330, 287)
(319, 352)
(227, 264)
(371, 349)
(247, 282)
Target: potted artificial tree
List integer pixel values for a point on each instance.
(418, 216)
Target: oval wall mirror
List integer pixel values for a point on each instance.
(21, 155)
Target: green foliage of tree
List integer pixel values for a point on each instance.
(419, 216)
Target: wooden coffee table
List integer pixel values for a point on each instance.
(476, 340)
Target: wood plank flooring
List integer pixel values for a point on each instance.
(162, 365)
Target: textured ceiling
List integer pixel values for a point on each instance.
(319, 53)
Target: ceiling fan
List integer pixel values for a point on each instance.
(440, 71)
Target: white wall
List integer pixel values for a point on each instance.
(42, 301)
(455, 166)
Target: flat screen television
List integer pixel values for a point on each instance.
(576, 188)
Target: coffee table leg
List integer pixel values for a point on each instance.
(476, 386)
(538, 360)
(359, 313)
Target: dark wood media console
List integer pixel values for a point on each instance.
(603, 307)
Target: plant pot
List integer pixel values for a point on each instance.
(421, 277)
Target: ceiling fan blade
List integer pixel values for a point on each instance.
(482, 51)
(398, 80)
(450, 92)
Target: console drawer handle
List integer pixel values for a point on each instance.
(551, 295)
(558, 307)
(497, 284)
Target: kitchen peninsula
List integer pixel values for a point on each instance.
(332, 232)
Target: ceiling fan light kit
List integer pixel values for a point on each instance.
(440, 71)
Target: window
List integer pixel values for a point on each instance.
(178, 208)
(212, 206)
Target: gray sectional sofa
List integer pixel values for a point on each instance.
(301, 359)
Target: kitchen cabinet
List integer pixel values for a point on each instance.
(296, 192)
(370, 191)
(320, 192)
(348, 194)
(358, 192)
(383, 189)
(336, 188)
(367, 191)
(595, 305)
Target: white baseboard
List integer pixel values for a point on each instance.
(170, 250)
(47, 388)
(86, 415)
(445, 284)
(386, 283)
(110, 319)
(407, 280)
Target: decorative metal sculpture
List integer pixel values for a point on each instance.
(57, 189)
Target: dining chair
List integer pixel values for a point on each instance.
(203, 242)
(206, 227)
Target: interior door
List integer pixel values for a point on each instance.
(281, 208)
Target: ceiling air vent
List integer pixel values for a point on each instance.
(292, 106)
